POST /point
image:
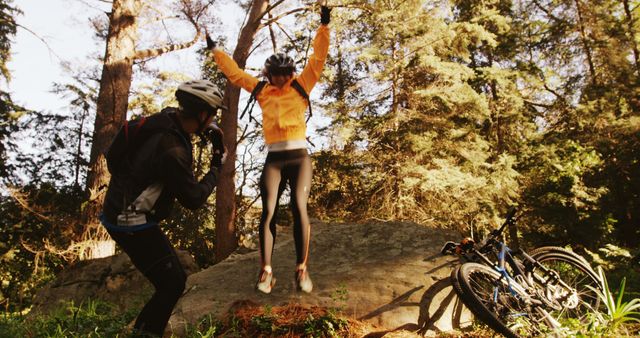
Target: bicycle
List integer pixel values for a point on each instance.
(520, 294)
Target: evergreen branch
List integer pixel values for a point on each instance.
(272, 20)
(167, 30)
(161, 18)
(256, 47)
(192, 16)
(537, 104)
(272, 35)
(21, 198)
(51, 51)
(149, 53)
(268, 10)
(546, 11)
(285, 33)
(86, 3)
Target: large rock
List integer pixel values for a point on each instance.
(113, 279)
(389, 274)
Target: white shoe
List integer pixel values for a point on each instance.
(303, 281)
(266, 281)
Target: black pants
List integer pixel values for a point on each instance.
(151, 252)
(294, 167)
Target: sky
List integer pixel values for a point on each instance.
(68, 36)
(34, 65)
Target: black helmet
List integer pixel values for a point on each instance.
(279, 64)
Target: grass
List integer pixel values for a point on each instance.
(88, 319)
(244, 319)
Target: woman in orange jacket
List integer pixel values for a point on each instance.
(284, 128)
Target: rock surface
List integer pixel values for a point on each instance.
(113, 279)
(389, 274)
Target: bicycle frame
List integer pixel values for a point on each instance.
(505, 257)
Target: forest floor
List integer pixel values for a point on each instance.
(247, 319)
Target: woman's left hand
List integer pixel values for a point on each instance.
(325, 15)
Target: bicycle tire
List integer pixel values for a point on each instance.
(471, 278)
(556, 249)
(454, 280)
(578, 274)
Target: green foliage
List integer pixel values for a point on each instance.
(88, 319)
(152, 97)
(414, 143)
(340, 296)
(32, 220)
(328, 325)
(194, 231)
(207, 327)
(620, 263)
(562, 202)
(8, 28)
(618, 311)
(8, 126)
(254, 320)
(8, 110)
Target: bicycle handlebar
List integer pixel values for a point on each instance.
(468, 245)
(511, 213)
(509, 220)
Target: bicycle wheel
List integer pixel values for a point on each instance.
(556, 249)
(501, 304)
(575, 303)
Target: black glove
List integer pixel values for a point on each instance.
(210, 43)
(217, 160)
(325, 15)
(218, 150)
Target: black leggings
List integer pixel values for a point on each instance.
(293, 166)
(151, 252)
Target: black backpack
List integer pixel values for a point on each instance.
(131, 137)
(254, 94)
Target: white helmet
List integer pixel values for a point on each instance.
(204, 90)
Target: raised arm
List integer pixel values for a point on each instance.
(230, 68)
(312, 71)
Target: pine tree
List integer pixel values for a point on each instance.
(418, 133)
(8, 28)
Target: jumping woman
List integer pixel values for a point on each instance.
(284, 127)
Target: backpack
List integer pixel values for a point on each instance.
(123, 145)
(258, 88)
(129, 140)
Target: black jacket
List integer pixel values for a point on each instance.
(165, 156)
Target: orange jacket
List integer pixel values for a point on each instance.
(282, 109)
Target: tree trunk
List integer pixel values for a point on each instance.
(632, 35)
(226, 241)
(111, 106)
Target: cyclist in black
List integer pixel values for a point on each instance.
(151, 165)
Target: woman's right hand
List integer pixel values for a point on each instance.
(210, 43)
